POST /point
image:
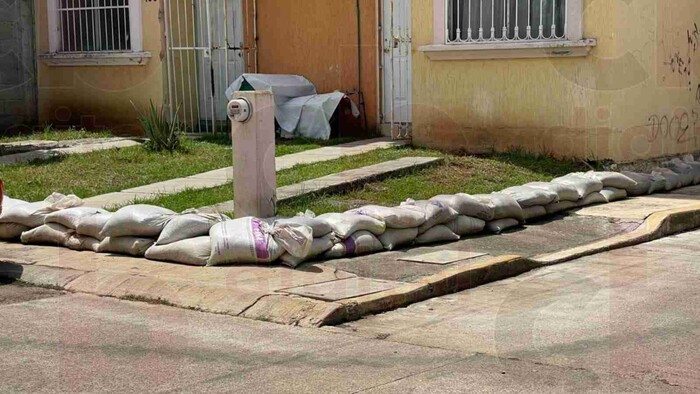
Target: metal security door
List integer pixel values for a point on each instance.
(396, 65)
(205, 41)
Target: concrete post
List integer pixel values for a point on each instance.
(253, 136)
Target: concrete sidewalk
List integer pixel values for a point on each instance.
(224, 176)
(26, 151)
(335, 291)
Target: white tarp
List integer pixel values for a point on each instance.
(299, 109)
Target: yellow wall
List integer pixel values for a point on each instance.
(100, 97)
(605, 106)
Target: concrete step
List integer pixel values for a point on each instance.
(341, 181)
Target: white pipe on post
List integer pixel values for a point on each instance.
(252, 115)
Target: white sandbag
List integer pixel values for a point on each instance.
(92, 225)
(357, 244)
(131, 246)
(466, 225)
(504, 206)
(47, 234)
(695, 165)
(28, 214)
(593, 199)
(564, 191)
(560, 206)
(58, 201)
(435, 213)
(529, 196)
(344, 224)
(466, 205)
(10, 231)
(137, 221)
(71, 217)
(82, 243)
(319, 227)
(436, 234)
(584, 185)
(644, 183)
(612, 194)
(613, 179)
(499, 226)
(319, 246)
(684, 171)
(191, 251)
(191, 224)
(251, 240)
(533, 213)
(658, 184)
(673, 180)
(395, 238)
(395, 217)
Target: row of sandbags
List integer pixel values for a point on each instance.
(203, 239)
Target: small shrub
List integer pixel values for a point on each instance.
(163, 134)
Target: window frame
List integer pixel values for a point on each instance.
(134, 56)
(573, 45)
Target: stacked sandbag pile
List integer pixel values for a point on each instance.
(133, 229)
(201, 239)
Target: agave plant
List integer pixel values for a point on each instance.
(162, 134)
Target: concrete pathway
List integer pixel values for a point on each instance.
(341, 180)
(624, 321)
(349, 288)
(621, 321)
(42, 150)
(224, 176)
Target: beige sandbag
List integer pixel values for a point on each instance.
(584, 185)
(92, 225)
(131, 246)
(530, 196)
(501, 225)
(612, 194)
(394, 217)
(345, 224)
(319, 227)
(673, 180)
(395, 238)
(11, 231)
(593, 199)
(33, 214)
(318, 247)
(190, 224)
(357, 244)
(466, 205)
(48, 234)
(564, 191)
(82, 243)
(71, 217)
(616, 180)
(504, 206)
(560, 206)
(437, 234)
(145, 221)
(435, 213)
(466, 225)
(685, 172)
(533, 213)
(191, 251)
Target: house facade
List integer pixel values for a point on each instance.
(595, 79)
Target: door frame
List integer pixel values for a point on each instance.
(392, 37)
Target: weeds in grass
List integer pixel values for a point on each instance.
(162, 134)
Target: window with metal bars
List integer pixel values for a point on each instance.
(94, 26)
(475, 21)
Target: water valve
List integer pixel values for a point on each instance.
(239, 110)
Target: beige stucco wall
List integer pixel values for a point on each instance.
(604, 106)
(100, 97)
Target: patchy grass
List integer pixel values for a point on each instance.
(457, 174)
(50, 134)
(205, 197)
(282, 146)
(113, 170)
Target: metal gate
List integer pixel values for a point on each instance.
(396, 66)
(204, 41)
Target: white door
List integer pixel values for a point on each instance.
(396, 66)
(221, 26)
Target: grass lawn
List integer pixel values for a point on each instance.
(50, 134)
(457, 174)
(113, 170)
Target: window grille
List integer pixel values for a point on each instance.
(94, 26)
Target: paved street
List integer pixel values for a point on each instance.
(627, 320)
